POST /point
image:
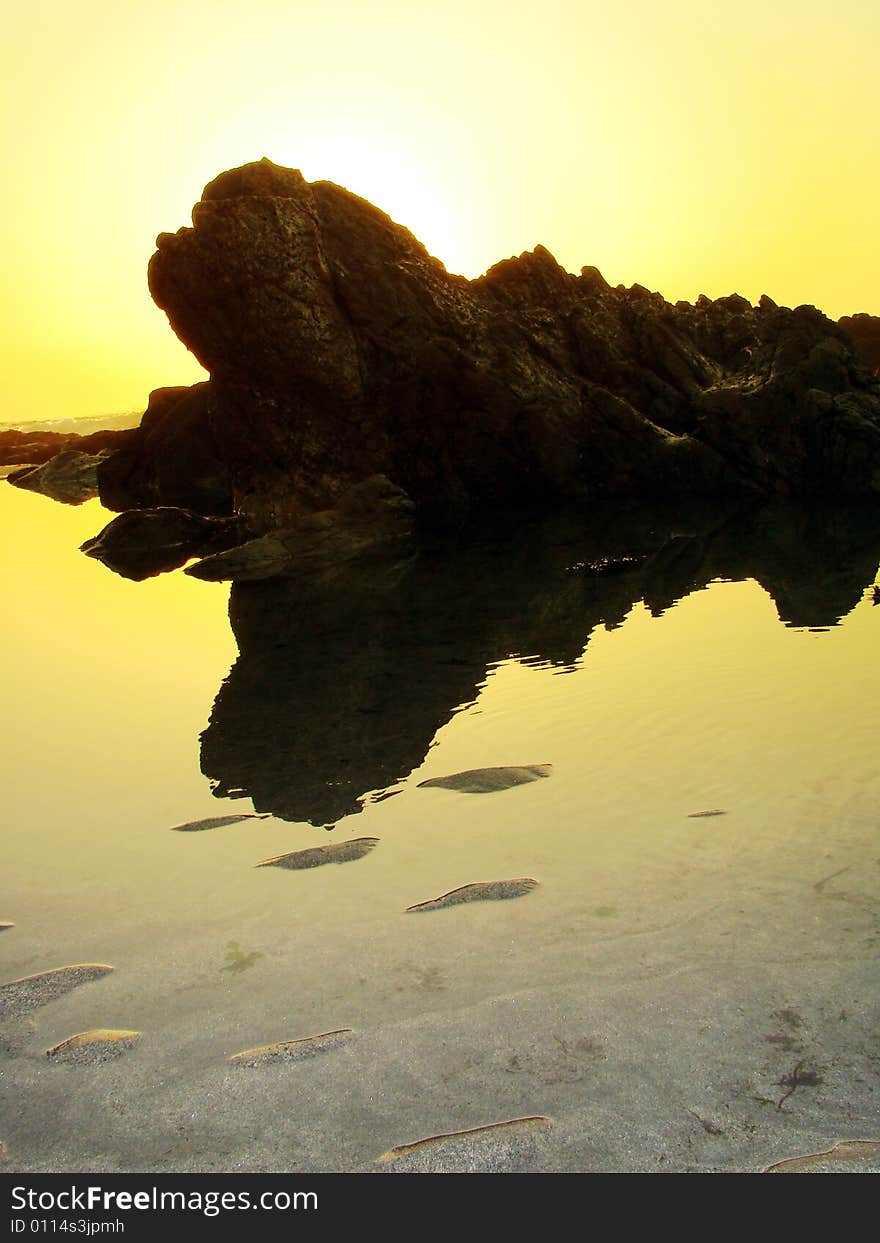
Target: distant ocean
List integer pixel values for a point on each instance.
(82, 426)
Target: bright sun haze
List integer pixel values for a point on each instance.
(692, 147)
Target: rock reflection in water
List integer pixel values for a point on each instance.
(341, 686)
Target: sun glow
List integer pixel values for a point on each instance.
(681, 146)
(387, 174)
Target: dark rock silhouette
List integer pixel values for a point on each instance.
(142, 542)
(70, 477)
(338, 348)
(350, 678)
(371, 519)
(174, 460)
(865, 332)
(30, 448)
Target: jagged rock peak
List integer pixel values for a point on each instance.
(260, 179)
(864, 330)
(338, 349)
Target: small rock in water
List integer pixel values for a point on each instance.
(337, 852)
(142, 542)
(90, 1048)
(372, 517)
(483, 1148)
(25, 994)
(217, 822)
(293, 1050)
(70, 477)
(480, 891)
(713, 811)
(488, 780)
(5, 927)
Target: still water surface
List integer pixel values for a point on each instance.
(725, 663)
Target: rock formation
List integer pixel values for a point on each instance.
(142, 542)
(865, 332)
(338, 348)
(373, 518)
(175, 459)
(340, 351)
(70, 476)
(30, 448)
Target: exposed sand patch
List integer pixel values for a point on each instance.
(489, 780)
(216, 822)
(480, 1149)
(480, 891)
(294, 1050)
(316, 856)
(90, 1048)
(17, 997)
(843, 1150)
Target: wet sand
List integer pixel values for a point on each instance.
(680, 992)
(715, 1031)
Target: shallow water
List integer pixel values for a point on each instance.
(653, 995)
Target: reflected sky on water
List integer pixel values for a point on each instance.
(663, 664)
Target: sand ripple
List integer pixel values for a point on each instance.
(480, 891)
(337, 852)
(490, 780)
(90, 1048)
(20, 996)
(481, 1149)
(293, 1050)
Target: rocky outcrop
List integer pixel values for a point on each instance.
(144, 542)
(20, 448)
(372, 518)
(865, 332)
(338, 348)
(340, 351)
(174, 460)
(69, 476)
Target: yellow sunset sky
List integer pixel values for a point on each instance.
(694, 148)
